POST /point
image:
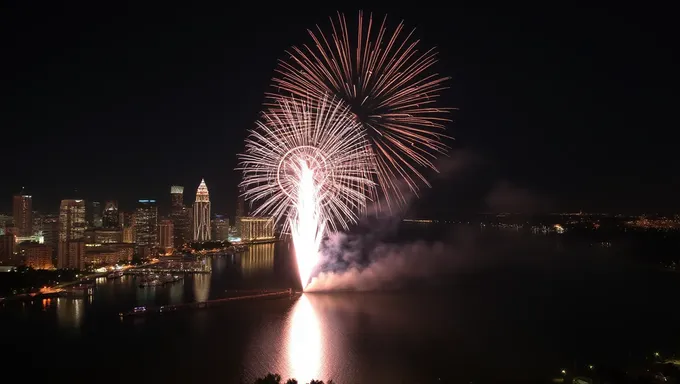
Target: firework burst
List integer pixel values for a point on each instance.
(308, 164)
(390, 87)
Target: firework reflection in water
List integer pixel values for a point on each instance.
(308, 164)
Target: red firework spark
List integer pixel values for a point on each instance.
(390, 86)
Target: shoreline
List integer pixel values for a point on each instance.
(49, 291)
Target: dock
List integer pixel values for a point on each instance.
(144, 311)
(145, 271)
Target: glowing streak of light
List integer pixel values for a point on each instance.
(306, 228)
(304, 343)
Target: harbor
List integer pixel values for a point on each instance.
(154, 280)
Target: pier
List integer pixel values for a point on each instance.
(144, 271)
(142, 311)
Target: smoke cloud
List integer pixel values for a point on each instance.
(456, 164)
(363, 262)
(377, 258)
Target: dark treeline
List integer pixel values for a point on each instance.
(273, 378)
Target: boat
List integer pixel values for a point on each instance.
(169, 278)
(115, 275)
(150, 283)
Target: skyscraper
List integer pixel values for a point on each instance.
(23, 214)
(72, 224)
(165, 236)
(220, 227)
(72, 221)
(202, 213)
(181, 217)
(94, 214)
(111, 216)
(177, 196)
(240, 210)
(146, 226)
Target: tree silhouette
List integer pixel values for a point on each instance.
(273, 378)
(269, 379)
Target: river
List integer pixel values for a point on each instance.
(493, 325)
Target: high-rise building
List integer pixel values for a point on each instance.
(72, 222)
(103, 236)
(220, 227)
(72, 226)
(202, 213)
(166, 236)
(111, 217)
(128, 234)
(36, 256)
(181, 217)
(257, 229)
(94, 214)
(50, 228)
(177, 196)
(126, 219)
(23, 214)
(72, 254)
(241, 210)
(146, 226)
(7, 247)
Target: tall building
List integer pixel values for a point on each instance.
(181, 217)
(72, 222)
(177, 196)
(72, 254)
(202, 213)
(111, 217)
(220, 227)
(36, 256)
(23, 214)
(94, 214)
(166, 236)
(240, 210)
(257, 229)
(50, 230)
(103, 236)
(146, 226)
(7, 247)
(126, 219)
(72, 226)
(128, 234)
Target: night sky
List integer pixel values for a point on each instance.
(558, 109)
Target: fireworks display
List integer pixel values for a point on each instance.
(353, 120)
(390, 87)
(308, 164)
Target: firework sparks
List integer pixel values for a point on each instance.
(308, 165)
(307, 228)
(390, 87)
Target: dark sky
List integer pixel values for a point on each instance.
(559, 109)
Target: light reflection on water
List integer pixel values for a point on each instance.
(258, 260)
(70, 312)
(145, 296)
(201, 286)
(176, 292)
(304, 342)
